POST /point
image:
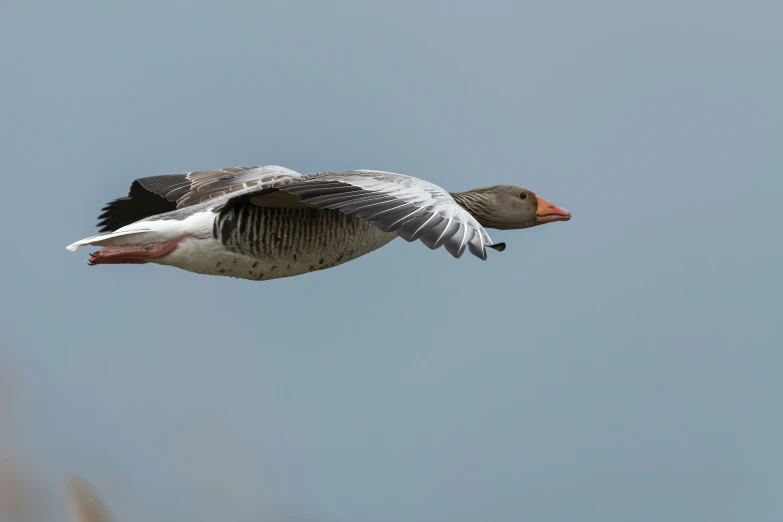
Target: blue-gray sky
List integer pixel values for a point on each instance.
(623, 366)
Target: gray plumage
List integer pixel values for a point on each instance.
(411, 207)
(268, 222)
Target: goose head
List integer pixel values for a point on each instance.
(508, 207)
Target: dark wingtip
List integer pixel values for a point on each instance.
(498, 246)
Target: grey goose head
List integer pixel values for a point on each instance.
(508, 207)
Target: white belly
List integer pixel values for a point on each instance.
(209, 256)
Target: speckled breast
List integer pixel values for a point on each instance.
(284, 242)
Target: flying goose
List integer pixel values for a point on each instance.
(267, 222)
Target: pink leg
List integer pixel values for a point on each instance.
(134, 254)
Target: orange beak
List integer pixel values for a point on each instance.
(547, 212)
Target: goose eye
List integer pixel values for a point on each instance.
(523, 195)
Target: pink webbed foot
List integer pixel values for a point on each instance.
(133, 254)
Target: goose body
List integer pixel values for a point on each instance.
(269, 222)
(260, 243)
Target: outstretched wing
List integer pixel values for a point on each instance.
(207, 185)
(159, 194)
(412, 207)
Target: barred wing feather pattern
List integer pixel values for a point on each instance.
(412, 207)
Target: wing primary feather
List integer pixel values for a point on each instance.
(437, 242)
(315, 186)
(394, 221)
(373, 216)
(464, 241)
(416, 234)
(353, 206)
(452, 244)
(405, 217)
(477, 247)
(333, 198)
(385, 221)
(431, 236)
(368, 211)
(321, 192)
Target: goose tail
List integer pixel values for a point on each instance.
(108, 239)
